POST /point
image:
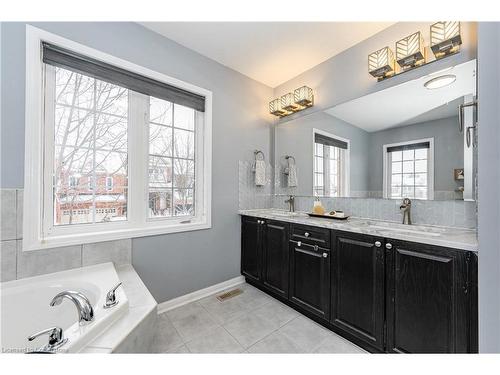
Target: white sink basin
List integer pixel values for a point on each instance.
(418, 230)
(287, 214)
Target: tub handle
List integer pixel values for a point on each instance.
(56, 338)
(111, 297)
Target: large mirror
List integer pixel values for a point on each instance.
(405, 141)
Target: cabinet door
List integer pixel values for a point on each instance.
(427, 299)
(275, 257)
(358, 286)
(310, 278)
(251, 245)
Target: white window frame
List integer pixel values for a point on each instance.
(38, 234)
(346, 188)
(430, 166)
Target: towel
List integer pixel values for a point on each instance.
(292, 175)
(260, 172)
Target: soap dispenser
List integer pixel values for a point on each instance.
(318, 208)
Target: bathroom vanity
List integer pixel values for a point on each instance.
(384, 286)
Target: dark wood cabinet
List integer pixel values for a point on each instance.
(310, 278)
(384, 295)
(427, 299)
(251, 248)
(275, 257)
(358, 286)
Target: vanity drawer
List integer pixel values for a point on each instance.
(311, 235)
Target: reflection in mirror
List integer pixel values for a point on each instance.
(404, 141)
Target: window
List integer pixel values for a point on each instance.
(408, 170)
(331, 161)
(111, 134)
(109, 183)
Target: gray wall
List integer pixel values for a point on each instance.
(489, 186)
(176, 264)
(448, 150)
(295, 138)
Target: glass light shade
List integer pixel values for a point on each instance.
(288, 103)
(445, 38)
(303, 96)
(276, 109)
(410, 51)
(381, 63)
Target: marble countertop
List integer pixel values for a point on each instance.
(457, 238)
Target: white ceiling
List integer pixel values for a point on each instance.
(408, 102)
(269, 52)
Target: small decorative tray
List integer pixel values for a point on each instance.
(328, 216)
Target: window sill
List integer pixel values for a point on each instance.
(116, 234)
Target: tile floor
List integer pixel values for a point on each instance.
(251, 322)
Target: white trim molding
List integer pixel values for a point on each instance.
(39, 233)
(199, 294)
(430, 166)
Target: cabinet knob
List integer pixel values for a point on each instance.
(325, 255)
(262, 222)
(306, 234)
(299, 243)
(377, 244)
(388, 246)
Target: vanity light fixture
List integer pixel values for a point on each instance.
(276, 109)
(410, 51)
(445, 38)
(288, 103)
(381, 63)
(304, 96)
(292, 102)
(441, 81)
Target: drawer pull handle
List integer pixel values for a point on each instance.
(377, 244)
(306, 234)
(299, 244)
(388, 246)
(325, 255)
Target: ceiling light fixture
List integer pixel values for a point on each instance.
(438, 82)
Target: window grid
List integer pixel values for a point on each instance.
(327, 170)
(175, 196)
(409, 174)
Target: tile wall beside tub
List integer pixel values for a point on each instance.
(18, 264)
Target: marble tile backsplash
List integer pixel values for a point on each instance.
(17, 264)
(446, 213)
(452, 213)
(250, 195)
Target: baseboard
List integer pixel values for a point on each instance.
(196, 295)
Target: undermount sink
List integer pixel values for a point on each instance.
(287, 214)
(433, 232)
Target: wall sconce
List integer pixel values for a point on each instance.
(289, 103)
(303, 96)
(445, 38)
(276, 109)
(381, 63)
(410, 51)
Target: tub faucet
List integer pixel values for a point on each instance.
(82, 303)
(406, 208)
(291, 203)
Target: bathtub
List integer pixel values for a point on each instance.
(25, 308)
